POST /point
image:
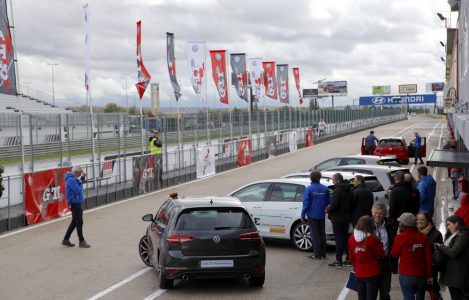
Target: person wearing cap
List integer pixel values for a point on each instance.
(370, 143)
(415, 258)
(74, 193)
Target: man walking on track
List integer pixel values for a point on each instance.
(156, 147)
(74, 192)
(370, 143)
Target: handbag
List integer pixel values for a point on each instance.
(438, 260)
(352, 281)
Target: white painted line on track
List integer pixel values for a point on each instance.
(120, 283)
(31, 227)
(343, 293)
(155, 294)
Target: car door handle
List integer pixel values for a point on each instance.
(257, 207)
(292, 207)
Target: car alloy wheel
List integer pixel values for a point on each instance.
(144, 249)
(302, 237)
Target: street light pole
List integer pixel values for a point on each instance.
(53, 92)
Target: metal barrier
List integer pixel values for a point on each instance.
(113, 174)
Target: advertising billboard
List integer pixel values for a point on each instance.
(310, 93)
(435, 87)
(408, 88)
(332, 88)
(381, 90)
(398, 99)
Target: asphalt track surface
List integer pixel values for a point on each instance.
(34, 265)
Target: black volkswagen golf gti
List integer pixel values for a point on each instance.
(209, 237)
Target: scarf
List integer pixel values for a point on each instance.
(426, 230)
(448, 240)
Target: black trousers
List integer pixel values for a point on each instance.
(77, 222)
(367, 288)
(341, 239)
(317, 228)
(385, 281)
(418, 155)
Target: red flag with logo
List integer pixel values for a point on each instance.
(45, 196)
(309, 138)
(143, 77)
(219, 73)
(270, 81)
(244, 152)
(296, 74)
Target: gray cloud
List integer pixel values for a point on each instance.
(366, 42)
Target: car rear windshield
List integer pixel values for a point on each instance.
(389, 162)
(373, 185)
(207, 219)
(390, 143)
(392, 173)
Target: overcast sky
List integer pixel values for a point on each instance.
(366, 42)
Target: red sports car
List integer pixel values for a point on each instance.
(395, 146)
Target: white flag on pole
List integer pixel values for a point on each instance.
(87, 49)
(196, 60)
(256, 75)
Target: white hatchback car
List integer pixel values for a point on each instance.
(371, 182)
(276, 205)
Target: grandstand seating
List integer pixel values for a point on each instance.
(10, 103)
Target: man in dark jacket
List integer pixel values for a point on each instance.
(74, 193)
(362, 199)
(385, 230)
(315, 200)
(403, 197)
(340, 215)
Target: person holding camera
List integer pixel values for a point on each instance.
(74, 192)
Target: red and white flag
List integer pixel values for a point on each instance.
(256, 74)
(270, 81)
(219, 73)
(143, 77)
(296, 75)
(196, 60)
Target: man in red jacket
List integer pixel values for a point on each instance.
(415, 258)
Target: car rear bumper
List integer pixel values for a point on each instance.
(398, 156)
(177, 265)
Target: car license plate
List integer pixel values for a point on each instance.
(227, 263)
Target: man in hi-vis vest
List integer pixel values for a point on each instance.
(156, 147)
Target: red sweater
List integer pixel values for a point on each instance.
(463, 210)
(414, 251)
(365, 256)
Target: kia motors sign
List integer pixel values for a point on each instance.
(398, 99)
(381, 90)
(407, 88)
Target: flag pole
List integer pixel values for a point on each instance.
(206, 100)
(141, 123)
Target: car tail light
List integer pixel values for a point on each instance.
(177, 238)
(254, 237)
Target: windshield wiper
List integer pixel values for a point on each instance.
(225, 227)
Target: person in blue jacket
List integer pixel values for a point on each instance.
(418, 148)
(74, 193)
(315, 200)
(427, 188)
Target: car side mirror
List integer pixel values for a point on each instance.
(148, 218)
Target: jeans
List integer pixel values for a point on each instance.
(367, 288)
(370, 150)
(77, 222)
(418, 155)
(317, 228)
(341, 239)
(413, 288)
